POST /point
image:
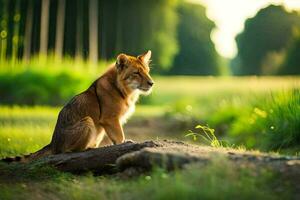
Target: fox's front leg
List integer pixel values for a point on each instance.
(114, 131)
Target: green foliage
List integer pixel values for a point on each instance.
(197, 54)
(227, 114)
(291, 64)
(120, 30)
(207, 134)
(270, 30)
(39, 87)
(131, 27)
(154, 28)
(273, 124)
(233, 107)
(267, 122)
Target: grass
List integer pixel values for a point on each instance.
(25, 129)
(220, 179)
(53, 65)
(275, 120)
(256, 112)
(205, 96)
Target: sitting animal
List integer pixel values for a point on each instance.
(102, 109)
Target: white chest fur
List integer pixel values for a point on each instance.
(131, 107)
(127, 114)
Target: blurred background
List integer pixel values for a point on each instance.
(231, 65)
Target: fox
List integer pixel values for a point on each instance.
(100, 110)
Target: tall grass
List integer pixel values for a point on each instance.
(282, 125)
(272, 124)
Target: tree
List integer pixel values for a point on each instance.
(291, 64)
(3, 28)
(93, 31)
(44, 27)
(197, 55)
(79, 32)
(16, 31)
(90, 29)
(141, 25)
(28, 31)
(268, 31)
(60, 25)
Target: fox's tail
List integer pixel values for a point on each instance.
(33, 156)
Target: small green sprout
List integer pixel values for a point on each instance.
(207, 134)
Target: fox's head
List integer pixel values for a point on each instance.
(133, 72)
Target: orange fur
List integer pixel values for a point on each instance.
(103, 108)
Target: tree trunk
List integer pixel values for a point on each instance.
(93, 31)
(79, 30)
(119, 27)
(4, 31)
(16, 30)
(44, 27)
(28, 31)
(103, 32)
(60, 27)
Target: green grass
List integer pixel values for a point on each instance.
(204, 96)
(275, 121)
(53, 65)
(256, 112)
(220, 179)
(25, 129)
(217, 88)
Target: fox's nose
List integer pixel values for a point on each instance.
(150, 82)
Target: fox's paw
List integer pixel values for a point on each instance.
(129, 141)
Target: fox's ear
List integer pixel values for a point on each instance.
(145, 57)
(122, 60)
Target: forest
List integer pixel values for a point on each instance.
(177, 32)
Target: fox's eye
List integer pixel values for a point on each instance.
(136, 73)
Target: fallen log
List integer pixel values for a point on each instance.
(101, 160)
(167, 154)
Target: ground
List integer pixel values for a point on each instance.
(190, 171)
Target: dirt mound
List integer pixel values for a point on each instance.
(167, 154)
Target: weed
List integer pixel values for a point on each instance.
(207, 135)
